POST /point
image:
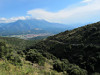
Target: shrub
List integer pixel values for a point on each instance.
(59, 66)
(76, 70)
(96, 73)
(35, 57)
(3, 49)
(48, 55)
(14, 59)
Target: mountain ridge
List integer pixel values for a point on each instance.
(73, 52)
(80, 46)
(28, 27)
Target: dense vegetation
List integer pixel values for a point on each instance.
(80, 46)
(74, 52)
(16, 60)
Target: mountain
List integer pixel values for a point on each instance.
(73, 52)
(31, 26)
(88, 34)
(80, 46)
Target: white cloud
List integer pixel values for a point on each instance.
(85, 1)
(82, 13)
(5, 20)
(86, 11)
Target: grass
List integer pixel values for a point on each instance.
(27, 68)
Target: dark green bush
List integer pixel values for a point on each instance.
(59, 66)
(65, 61)
(14, 59)
(48, 55)
(76, 70)
(3, 49)
(35, 57)
(96, 74)
(69, 68)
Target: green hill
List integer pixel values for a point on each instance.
(87, 34)
(74, 52)
(16, 43)
(80, 46)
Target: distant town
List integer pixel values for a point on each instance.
(27, 36)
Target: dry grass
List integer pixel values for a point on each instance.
(27, 69)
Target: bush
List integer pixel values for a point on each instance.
(65, 61)
(14, 59)
(96, 74)
(59, 66)
(3, 49)
(76, 70)
(35, 57)
(48, 55)
(69, 68)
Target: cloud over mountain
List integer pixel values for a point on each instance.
(77, 13)
(84, 11)
(5, 20)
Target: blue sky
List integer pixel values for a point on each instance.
(60, 11)
(14, 8)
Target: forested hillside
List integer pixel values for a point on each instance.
(80, 46)
(16, 43)
(74, 52)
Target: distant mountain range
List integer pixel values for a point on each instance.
(31, 26)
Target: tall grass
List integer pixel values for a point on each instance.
(26, 69)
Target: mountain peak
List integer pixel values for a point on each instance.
(23, 26)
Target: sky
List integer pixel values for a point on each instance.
(58, 11)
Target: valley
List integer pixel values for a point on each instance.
(73, 52)
(29, 36)
(49, 37)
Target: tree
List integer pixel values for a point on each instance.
(35, 57)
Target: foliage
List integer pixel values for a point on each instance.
(74, 52)
(35, 57)
(14, 59)
(81, 46)
(4, 51)
(71, 69)
(59, 66)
